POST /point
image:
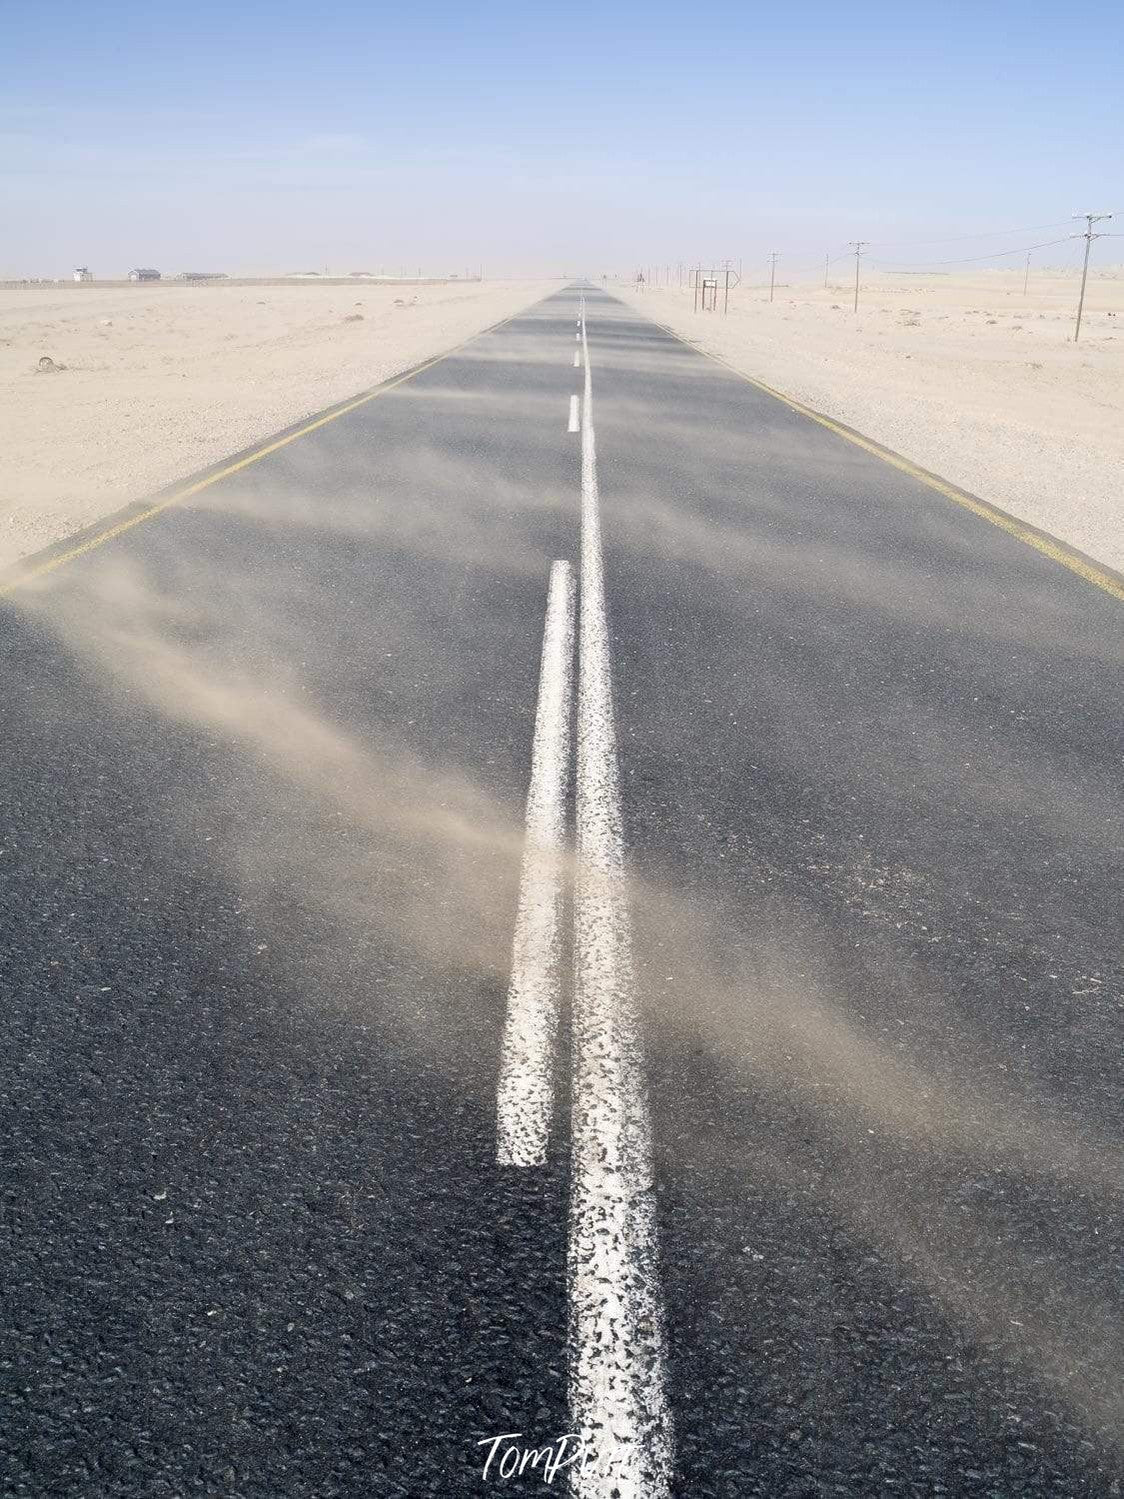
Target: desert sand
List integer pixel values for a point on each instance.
(964, 375)
(162, 380)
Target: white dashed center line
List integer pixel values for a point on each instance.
(526, 1088)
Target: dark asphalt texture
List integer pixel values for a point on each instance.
(264, 759)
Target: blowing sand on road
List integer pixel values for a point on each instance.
(777, 908)
(561, 848)
(159, 381)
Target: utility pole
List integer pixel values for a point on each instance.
(726, 265)
(772, 273)
(826, 263)
(859, 245)
(1088, 237)
(1026, 274)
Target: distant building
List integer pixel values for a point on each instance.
(144, 273)
(83, 273)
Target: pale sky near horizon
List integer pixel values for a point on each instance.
(542, 140)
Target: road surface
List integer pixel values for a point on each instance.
(684, 1020)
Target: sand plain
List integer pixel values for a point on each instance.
(161, 380)
(963, 374)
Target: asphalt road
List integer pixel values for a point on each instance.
(265, 759)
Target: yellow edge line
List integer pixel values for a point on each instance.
(102, 537)
(1055, 550)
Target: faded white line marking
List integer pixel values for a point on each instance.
(618, 1400)
(577, 359)
(573, 427)
(526, 1087)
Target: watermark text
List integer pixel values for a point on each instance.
(509, 1458)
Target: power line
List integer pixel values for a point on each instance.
(814, 265)
(994, 254)
(846, 252)
(950, 239)
(860, 248)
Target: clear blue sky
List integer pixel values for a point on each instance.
(528, 138)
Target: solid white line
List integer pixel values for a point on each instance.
(573, 427)
(618, 1400)
(526, 1088)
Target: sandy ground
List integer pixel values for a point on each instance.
(161, 381)
(964, 375)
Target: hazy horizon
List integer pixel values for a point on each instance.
(246, 142)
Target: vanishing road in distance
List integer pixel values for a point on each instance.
(561, 932)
